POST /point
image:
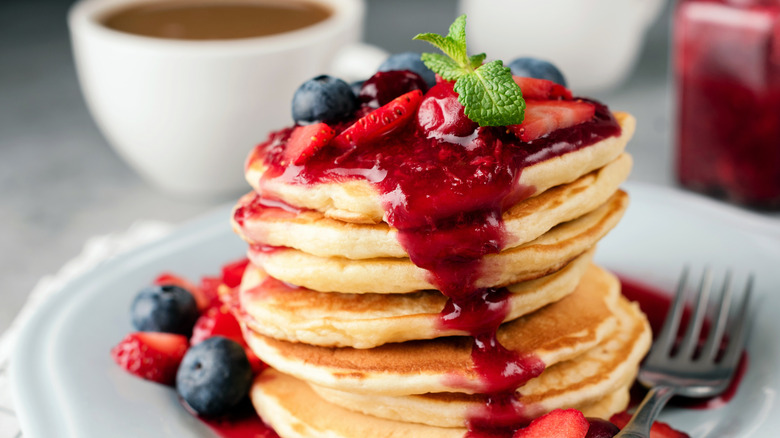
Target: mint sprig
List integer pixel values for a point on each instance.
(488, 93)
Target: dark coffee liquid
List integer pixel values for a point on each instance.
(211, 20)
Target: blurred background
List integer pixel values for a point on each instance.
(60, 183)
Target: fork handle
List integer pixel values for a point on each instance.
(646, 413)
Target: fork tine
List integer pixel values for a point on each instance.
(715, 337)
(737, 341)
(665, 340)
(693, 331)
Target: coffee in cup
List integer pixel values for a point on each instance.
(216, 20)
(183, 108)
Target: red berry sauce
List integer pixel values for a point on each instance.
(241, 422)
(600, 428)
(249, 426)
(264, 207)
(446, 195)
(385, 86)
(424, 180)
(265, 249)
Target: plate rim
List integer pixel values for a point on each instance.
(26, 367)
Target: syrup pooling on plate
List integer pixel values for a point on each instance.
(655, 304)
(243, 422)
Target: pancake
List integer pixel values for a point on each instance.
(548, 253)
(294, 410)
(281, 311)
(312, 232)
(555, 333)
(582, 380)
(357, 201)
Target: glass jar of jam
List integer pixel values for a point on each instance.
(727, 68)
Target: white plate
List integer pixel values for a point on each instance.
(66, 385)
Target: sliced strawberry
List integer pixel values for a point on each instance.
(150, 355)
(545, 116)
(220, 321)
(210, 287)
(217, 321)
(381, 121)
(233, 272)
(305, 141)
(569, 423)
(541, 89)
(228, 296)
(203, 299)
(659, 429)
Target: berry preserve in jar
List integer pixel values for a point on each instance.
(727, 69)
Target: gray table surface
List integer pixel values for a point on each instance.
(60, 183)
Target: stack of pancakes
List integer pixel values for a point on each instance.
(352, 328)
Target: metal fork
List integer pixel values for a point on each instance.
(671, 369)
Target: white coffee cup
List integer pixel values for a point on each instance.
(595, 43)
(183, 113)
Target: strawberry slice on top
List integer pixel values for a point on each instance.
(306, 140)
(381, 121)
(545, 116)
(541, 89)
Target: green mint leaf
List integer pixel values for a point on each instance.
(454, 44)
(487, 92)
(457, 34)
(476, 61)
(450, 47)
(445, 66)
(445, 44)
(442, 43)
(490, 96)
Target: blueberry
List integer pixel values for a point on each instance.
(409, 61)
(323, 99)
(165, 308)
(356, 87)
(536, 68)
(214, 376)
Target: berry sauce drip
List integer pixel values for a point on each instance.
(502, 372)
(256, 206)
(265, 249)
(446, 195)
(655, 304)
